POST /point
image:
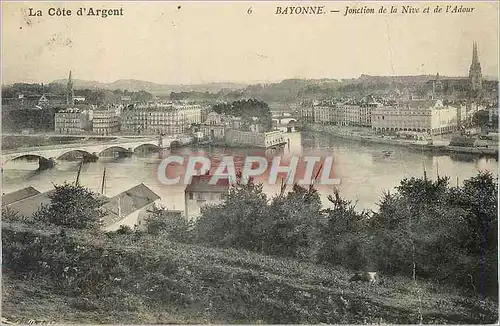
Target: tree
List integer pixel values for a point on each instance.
(293, 225)
(247, 109)
(72, 206)
(344, 236)
(482, 119)
(167, 223)
(238, 221)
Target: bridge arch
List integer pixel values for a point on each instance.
(145, 149)
(27, 156)
(77, 154)
(175, 144)
(116, 148)
(146, 145)
(44, 163)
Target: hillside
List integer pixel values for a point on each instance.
(157, 89)
(84, 277)
(286, 91)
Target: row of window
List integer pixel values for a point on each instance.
(202, 196)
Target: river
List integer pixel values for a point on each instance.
(365, 171)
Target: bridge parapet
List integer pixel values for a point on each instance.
(57, 151)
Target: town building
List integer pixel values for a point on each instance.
(125, 208)
(50, 100)
(170, 119)
(29, 205)
(255, 139)
(18, 195)
(72, 121)
(348, 113)
(105, 122)
(214, 126)
(420, 116)
(321, 114)
(79, 99)
(200, 192)
(306, 113)
(352, 114)
(365, 113)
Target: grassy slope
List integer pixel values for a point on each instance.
(167, 282)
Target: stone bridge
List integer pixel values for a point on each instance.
(47, 155)
(279, 116)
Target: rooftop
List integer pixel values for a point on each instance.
(28, 206)
(127, 202)
(19, 195)
(201, 183)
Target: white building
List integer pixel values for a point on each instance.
(105, 122)
(419, 116)
(72, 121)
(128, 207)
(200, 192)
(167, 119)
(255, 139)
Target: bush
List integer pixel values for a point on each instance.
(72, 206)
(173, 225)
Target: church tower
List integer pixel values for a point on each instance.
(437, 87)
(475, 75)
(70, 95)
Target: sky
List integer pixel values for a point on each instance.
(203, 42)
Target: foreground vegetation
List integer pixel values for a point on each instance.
(255, 260)
(426, 229)
(89, 277)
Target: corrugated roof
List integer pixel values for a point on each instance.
(201, 183)
(19, 195)
(127, 202)
(28, 206)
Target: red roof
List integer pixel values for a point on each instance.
(200, 183)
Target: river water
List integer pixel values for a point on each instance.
(364, 170)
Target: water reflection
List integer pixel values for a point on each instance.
(365, 171)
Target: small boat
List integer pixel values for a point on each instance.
(387, 153)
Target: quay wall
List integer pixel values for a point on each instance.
(414, 145)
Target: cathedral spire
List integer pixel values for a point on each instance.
(475, 75)
(475, 59)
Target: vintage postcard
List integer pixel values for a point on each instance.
(231, 162)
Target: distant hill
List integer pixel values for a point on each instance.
(286, 91)
(157, 89)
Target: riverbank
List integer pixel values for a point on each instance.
(411, 144)
(224, 144)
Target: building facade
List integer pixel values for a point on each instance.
(72, 121)
(344, 114)
(306, 113)
(254, 139)
(419, 116)
(105, 122)
(166, 119)
(200, 192)
(214, 126)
